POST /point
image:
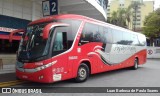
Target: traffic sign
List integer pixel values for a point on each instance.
(50, 7)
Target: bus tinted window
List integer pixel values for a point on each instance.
(72, 30)
(127, 38)
(142, 40)
(97, 37)
(107, 35)
(135, 40)
(117, 36)
(89, 33)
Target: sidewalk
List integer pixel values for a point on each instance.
(8, 68)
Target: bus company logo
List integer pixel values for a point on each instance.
(6, 90)
(150, 52)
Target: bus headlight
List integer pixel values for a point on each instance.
(40, 67)
(46, 66)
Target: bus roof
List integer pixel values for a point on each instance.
(63, 16)
(78, 17)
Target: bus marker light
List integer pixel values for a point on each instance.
(41, 77)
(79, 50)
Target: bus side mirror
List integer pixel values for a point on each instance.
(13, 32)
(48, 27)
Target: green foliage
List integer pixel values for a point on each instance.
(152, 24)
(122, 17)
(118, 18)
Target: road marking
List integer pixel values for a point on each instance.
(11, 83)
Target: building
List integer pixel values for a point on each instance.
(142, 11)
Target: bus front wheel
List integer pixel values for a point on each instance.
(83, 73)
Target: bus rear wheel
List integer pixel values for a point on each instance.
(82, 74)
(135, 67)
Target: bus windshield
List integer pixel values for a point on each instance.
(32, 45)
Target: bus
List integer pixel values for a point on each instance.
(70, 46)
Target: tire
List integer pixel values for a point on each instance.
(135, 67)
(17, 78)
(82, 74)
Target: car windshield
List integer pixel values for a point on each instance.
(32, 44)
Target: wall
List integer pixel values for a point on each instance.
(20, 9)
(8, 58)
(147, 8)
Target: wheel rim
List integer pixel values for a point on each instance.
(82, 73)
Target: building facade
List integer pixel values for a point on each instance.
(142, 11)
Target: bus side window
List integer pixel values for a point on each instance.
(135, 40)
(60, 43)
(142, 40)
(127, 38)
(71, 30)
(57, 46)
(107, 35)
(98, 33)
(87, 34)
(117, 35)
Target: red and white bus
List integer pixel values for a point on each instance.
(69, 46)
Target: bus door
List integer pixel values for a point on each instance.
(60, 52)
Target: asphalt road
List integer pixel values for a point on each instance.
(146, 75)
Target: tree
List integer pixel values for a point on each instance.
(118, 18)
(152, 25)
(122, 17)
(128, 15)
(114, 18)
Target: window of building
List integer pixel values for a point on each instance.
(138, 19)
(121, 4)
(139, 7)
(138, 24)
(138, 15)
(138, 11)
(7, 47)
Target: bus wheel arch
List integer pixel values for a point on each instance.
(88, 64)
(83, 71)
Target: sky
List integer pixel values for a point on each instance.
(156, 3)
